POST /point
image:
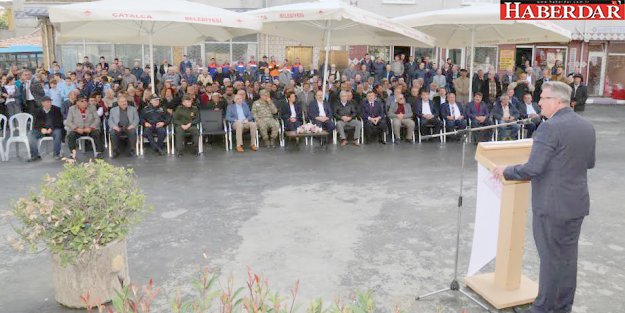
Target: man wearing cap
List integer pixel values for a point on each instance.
(217, 103)
(579, 95)
(123, 120)
(186, 118)
(48, 122)
(263, 111)
(82, 120)
(155, 120)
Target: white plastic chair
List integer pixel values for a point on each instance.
(3, 129)
(81, 144)
(41, 140)
(19, 126)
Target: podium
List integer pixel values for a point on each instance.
(507, 286)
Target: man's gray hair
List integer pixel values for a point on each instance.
(561, 90)
(504, 97)
(344, 92)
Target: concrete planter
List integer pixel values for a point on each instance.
(95, 272)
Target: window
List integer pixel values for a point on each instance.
(485, 57)
(160, 53)
(128, 54)
(219, 51)
(383, 52)
(546, 57)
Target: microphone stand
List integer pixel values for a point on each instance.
(455, 285)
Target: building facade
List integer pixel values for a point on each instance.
(597, 50)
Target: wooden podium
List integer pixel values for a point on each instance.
(507, 287)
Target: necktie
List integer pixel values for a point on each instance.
(453, 110)
(478, 108)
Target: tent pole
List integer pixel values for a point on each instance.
(152, 64)
(325, 63)
(471, 64)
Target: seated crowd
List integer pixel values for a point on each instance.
(115, 103)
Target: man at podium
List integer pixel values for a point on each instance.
(562, 152)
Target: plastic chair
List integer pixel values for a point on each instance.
(110, 146)
(3, 129)
(212, 123)
(173, 137)
(231, 130)
(335, 132)
(141, 139)
(19, 126)
(393, 132)
(41, 140)
(418, 130)
(81, 140)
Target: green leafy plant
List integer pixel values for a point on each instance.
(83, 208)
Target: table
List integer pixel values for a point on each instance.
(322, 135)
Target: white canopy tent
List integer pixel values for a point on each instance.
(166, 22)
(331, 22)
(480, 24)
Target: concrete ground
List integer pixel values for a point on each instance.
(339, 220)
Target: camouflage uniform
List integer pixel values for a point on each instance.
(263, 113)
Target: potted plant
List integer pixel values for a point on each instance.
(82, 216)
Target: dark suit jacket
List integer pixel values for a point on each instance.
(445, 112)
(538, 89)
(523, 110)
(285, 111)
(36, 89)
(313, 110)
(562, 152)
(376, 111)
(580, 96)
(418, 108)
(498, 112)
(347, 110)
(55, 114)
(472, 111)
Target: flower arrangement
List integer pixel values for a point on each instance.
(83, 208)
(309, 128)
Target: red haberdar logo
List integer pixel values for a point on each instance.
(87, 13)
(562, 10)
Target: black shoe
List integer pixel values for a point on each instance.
(179, 154)
(115, 155)
(198, 154)
(34, 159)
(382, 142)
(397, 141)
(131, 153)
(160, 151)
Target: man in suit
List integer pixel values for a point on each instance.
(507, 78)
(345, 114)
(320, 112)
(123, 121)
(48, 122)
(400, 114)
(290, 112)
(478, 114)
(539, 83)
(240, 116)
(504, 112)
(82, 120)
(453, 113)
(579, 94)
(562, 153)
(531, 110)
(304, 97)
(32, 92)
(374, 117)
(427, 112)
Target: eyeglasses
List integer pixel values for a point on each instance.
(545, 98)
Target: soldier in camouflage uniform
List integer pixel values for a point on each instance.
(263, 111)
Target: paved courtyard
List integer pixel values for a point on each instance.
(343, 219)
